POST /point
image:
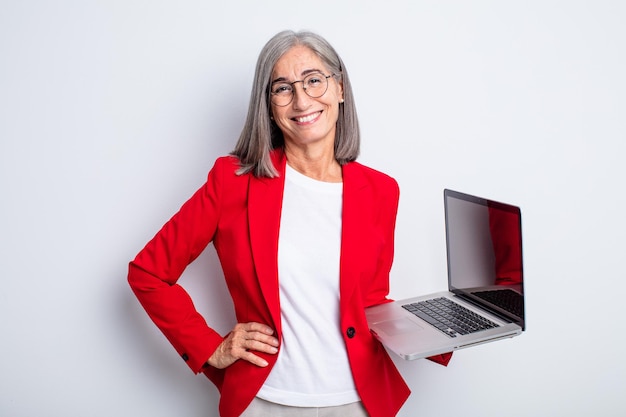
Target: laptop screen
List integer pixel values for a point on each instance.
(484, 249)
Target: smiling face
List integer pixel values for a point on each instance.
(306, 120)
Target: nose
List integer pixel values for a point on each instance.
(300, 97)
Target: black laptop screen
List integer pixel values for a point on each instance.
(484, 249)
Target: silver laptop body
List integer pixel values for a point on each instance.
(485, 276)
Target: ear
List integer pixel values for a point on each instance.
(340, 84)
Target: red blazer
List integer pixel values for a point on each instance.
(240, 214)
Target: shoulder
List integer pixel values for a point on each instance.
(229, 162)
(232, 164)
(370, 176)
(226, 166)
(224, 174)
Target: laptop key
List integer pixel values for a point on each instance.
(449, 317)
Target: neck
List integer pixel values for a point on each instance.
(320, 165)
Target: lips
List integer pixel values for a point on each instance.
(308, 118)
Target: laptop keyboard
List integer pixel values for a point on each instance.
(449, 317)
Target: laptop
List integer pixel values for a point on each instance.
(485, 297)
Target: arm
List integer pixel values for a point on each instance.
(156, 269)
(388, 202)
(379, 292)
(154, 273)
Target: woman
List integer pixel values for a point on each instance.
(305, 238)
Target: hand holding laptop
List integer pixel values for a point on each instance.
(485, 297)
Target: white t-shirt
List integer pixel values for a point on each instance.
(312, 368)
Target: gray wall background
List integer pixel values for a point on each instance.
(112, 112)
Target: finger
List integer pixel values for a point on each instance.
(258, 327)
(260, 346)
(253, 331)
(237, 346)
(254, 359)
(262, 338)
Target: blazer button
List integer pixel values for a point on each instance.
(350, 332)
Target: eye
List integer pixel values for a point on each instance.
(281, 89)
(314, 80)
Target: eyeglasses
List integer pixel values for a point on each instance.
(314, 85)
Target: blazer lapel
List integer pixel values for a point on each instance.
(352, 231)
(265, 197)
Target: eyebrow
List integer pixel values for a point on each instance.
(303, 74)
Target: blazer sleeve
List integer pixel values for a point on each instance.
(154, 273)
(380, 290)
(387, 199)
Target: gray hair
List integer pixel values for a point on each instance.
(260, 135)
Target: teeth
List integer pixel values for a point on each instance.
(306, 118)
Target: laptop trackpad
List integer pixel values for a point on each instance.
(398, 326)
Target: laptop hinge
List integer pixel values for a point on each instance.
(496, 313)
